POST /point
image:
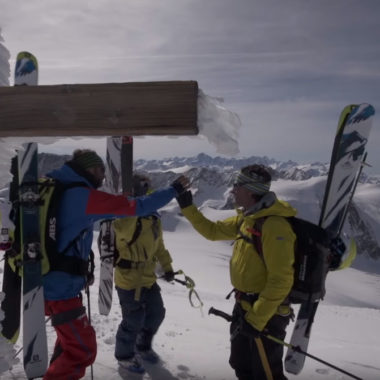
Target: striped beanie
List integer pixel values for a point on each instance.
(251, 178)
(87, 158)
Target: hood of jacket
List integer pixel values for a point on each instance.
(66, 174)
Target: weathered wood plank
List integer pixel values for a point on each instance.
(134, 109)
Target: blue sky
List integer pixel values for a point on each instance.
(286, 67)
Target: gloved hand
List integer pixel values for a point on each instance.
(185, 199)
(247, 329)
(181, 184)
(169, 276)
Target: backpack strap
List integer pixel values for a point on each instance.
(137, 232)
(129, 264)
(59, 261)
(255, 235)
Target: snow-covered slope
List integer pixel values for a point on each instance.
(194, 345)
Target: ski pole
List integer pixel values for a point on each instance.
(89, 320)
(228, 318)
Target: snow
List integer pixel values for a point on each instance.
(195, 345)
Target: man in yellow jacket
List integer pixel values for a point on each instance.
(261, 284)
(141, 247)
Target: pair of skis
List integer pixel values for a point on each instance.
(25, 171)
(118, 179)
(347, 160)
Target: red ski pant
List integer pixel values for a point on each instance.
(75, 347)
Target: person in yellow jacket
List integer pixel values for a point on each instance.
(261, 284)
(140, 247)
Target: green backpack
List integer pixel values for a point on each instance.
(50, 191)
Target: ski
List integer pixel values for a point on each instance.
(119, 168)
(34, 331)
(26, 71)
(346, 164)
(11, 286)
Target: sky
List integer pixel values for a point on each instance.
(286, 68)
(195, 345)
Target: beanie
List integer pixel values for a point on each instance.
(140, 184)
(87, 159)
(253, 181)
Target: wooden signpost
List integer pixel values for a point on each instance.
(107, 109)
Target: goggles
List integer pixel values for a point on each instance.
(239, 184)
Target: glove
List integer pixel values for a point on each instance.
(247, 329)
(185, 199)
(169, 276)
(181, 184)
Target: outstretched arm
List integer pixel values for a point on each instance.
(103, 205)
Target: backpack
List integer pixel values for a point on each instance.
(51, 191)
(107, 244)
(311, 258)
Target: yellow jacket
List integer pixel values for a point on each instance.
(271, 280)
(145, 252)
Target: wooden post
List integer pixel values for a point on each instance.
(107, 109)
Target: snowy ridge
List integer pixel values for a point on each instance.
(300, 184)
(281, 169)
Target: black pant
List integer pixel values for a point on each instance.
(249, 355)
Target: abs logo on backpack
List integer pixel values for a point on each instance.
(52, 228)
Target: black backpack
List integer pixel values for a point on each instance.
(312, 256)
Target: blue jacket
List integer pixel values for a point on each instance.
(80, 207)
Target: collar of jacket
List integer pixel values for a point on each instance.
(265, 202)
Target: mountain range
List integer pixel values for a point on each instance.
(300, 184)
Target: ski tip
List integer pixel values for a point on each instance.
(354, 113)
(26, 71)
(361, 113)
(25, 55)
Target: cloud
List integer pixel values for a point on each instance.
(307, 59)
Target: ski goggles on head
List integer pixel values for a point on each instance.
(238, 183)
(255, 183)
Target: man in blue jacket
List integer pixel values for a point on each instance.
(79, 208)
